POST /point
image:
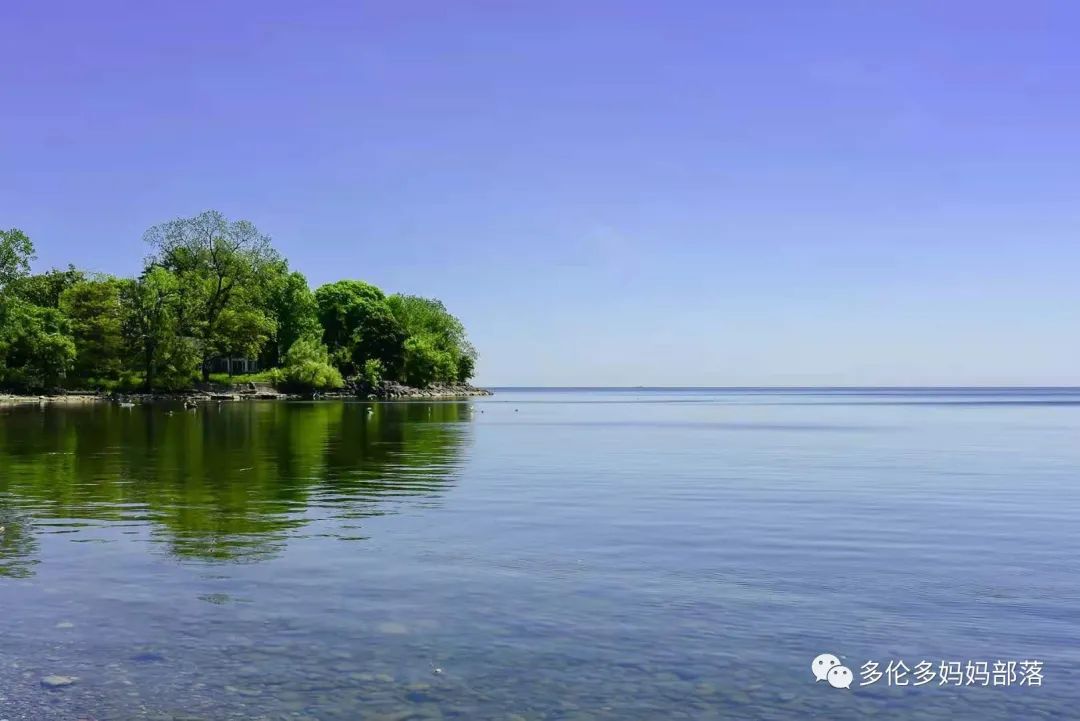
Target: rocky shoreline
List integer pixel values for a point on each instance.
(385, 391)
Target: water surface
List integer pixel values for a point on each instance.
(576, 554)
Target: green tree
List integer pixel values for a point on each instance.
(358, 325)
(308, 367)
(16, 252)
(152, 307)
(425, 363)
(36, 350)
(373, 372)
(294, 312)
(94, 310)
(45, 289)
(428, 320)
(220, 266)
(242, 333)
(466, 367)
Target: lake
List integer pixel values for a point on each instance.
(544, 554)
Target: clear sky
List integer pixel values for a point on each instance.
(607, 193)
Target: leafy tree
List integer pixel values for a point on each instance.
(466, 367)
(242, 332)
(426, 364)
(358, 325)
(36, 350)
(153, 305)
(373, 372)
(213, 288)
(220, 266)
(308, 367)
(94, 310)
(16, 252)
(294, 312)
(45, 289)
(428, 320)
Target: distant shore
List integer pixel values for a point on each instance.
(386, 391)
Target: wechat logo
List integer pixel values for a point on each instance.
(827, 667)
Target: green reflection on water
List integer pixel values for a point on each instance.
(224, 483)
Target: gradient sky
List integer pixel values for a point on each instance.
(607, 193)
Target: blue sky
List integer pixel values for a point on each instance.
(624, 193)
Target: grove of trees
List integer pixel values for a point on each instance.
(213, 288)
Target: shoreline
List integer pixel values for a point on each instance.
(252, 392)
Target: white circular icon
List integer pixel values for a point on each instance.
(823, 664)
(840, 677)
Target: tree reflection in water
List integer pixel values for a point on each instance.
(228, 483)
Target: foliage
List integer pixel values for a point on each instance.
(358, 325)
(16, 252)
(222, 267)
(242, 332)
(373, 372)
(213, 288)
(444, 346)
(308, 367)
(466, 366)
(266, 376)
(45, 289)
(36, 351)
(294, 312)
(426, 364)
(151, 326)
(93, 307)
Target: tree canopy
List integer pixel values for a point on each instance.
(213, 288)
(16, 252)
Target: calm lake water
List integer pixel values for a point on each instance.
(605, 554)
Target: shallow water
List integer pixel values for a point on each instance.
(604, 554)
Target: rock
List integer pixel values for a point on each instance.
(394, 390)
(55, 681)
